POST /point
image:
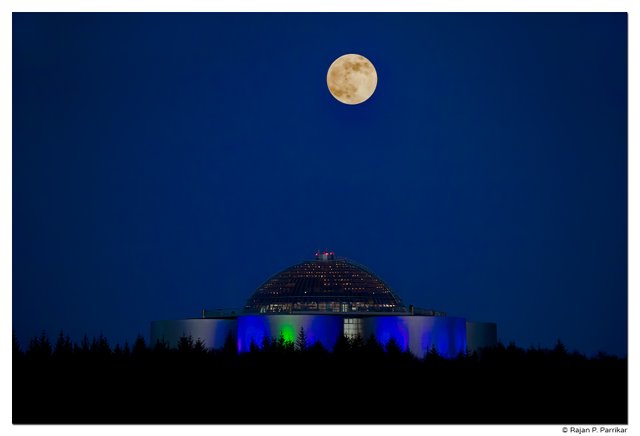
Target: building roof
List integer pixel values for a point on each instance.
(325, 284)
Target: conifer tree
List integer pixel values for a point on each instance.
(185, 344)
(139, 346)
(230, 348)
(253, 347)
(342, 345)
(301, 340)
(392, 347)
(199, 347)
(63, 347)
(372, 346)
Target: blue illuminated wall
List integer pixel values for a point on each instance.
(213, 332)
(418, 334)
(318, 328)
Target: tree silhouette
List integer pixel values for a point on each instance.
(301, 340)
(317, 349)
(85, 347)
(281, 341)
(471, 356)
(199, 347)
(139, 346)
(253, 347)
(267, 344)
(161, 347)
(342, 345)
(432, 355)
(117, 351)
(100, 346)
(560, 349)
(498, 372)
(289, 346)
(63, 347)
(40, 347)
(372, 347)
(357, 344)
(283, 345)
(392, 347)
(34, 347)
(185, 344)
(230, 347)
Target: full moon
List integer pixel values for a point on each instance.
(352, 79)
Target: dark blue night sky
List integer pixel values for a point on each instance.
(165, 163)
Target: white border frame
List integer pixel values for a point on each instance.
(9, 6)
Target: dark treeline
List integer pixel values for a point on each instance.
(361, 381)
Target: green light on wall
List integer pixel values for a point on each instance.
(288, 333)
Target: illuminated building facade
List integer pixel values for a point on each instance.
(329, 297)
(325, 284)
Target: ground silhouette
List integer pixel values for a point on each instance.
(279, 381)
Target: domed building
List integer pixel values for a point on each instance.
(325, 284)
(330, 297)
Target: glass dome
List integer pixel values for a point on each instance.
(326, 284)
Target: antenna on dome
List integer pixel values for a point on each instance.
(325, 255)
